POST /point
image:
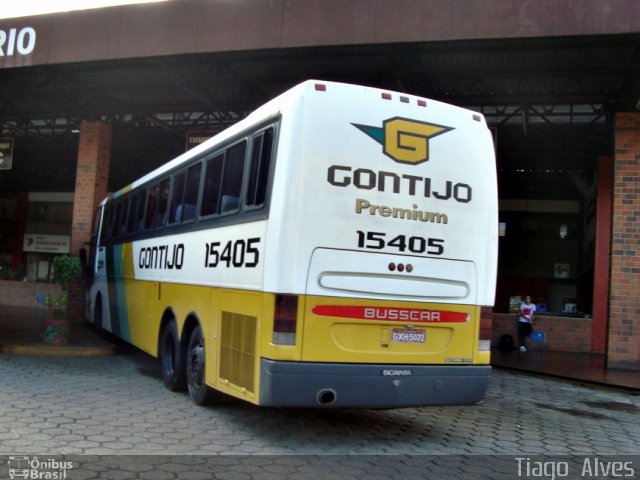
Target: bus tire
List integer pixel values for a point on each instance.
(172, 359)
(199, 392)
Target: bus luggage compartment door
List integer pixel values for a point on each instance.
(376, 308)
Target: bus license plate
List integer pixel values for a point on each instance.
(407, 335)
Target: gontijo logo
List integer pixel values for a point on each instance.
(404, 140)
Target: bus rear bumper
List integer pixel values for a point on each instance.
(335, 385)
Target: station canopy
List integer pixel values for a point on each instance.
(550, 101)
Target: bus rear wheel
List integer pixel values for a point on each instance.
(172, 359)
(199, 392)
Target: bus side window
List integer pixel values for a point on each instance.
(185, 195)
(115, 215)
(163, 203)
(133, 207)
(232, 178)
(211, 193)
(260, 166)
(152, 203)
(126, 211)
(107, 219)
(176, 211)
(223, 181)
(119, 218)
(191, 192)
(136, 213)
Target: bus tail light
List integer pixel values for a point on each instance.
(486, 328)
(285, 320)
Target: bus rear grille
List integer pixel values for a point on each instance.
(238, 349)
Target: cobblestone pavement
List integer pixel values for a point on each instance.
(117, 409)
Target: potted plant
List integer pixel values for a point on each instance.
(55, 328)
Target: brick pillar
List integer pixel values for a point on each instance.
(602, 261)
(92, 176)
(22, 202)
(624, 306)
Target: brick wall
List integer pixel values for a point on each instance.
(624, 298)
(560, 333)
(24, 294)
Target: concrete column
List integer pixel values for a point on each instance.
(92, 177)
(624, 302)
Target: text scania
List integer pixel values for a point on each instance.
(14, 41)
(365, 179)
(166, 257)
(389, 372)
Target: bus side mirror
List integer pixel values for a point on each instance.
(83, 257)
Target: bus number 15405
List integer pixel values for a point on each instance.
(235, 253)
(414, 244)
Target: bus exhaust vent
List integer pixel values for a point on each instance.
(238, 349)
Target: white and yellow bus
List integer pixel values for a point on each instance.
(335, 248)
